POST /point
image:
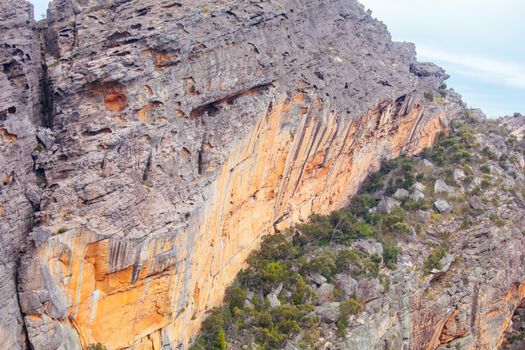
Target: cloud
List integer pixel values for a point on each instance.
(480, 68)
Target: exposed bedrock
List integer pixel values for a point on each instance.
(20, 111)
(180, 132)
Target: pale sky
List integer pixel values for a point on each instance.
(480, 43)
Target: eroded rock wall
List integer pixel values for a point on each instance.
(20, 110)
(176, 135)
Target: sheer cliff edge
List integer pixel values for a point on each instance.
(146, 147)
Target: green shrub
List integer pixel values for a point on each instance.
(412, 205)
(324, 264)
(488, 153)
(361, 204)
(496, 219)
(346, 258)
(349, 307)
(434, 260)
(396, 216)
(485, 168)
(374, 183)
(97, 346)
(362, 230)
(401, 228)
(273, 247)
(429, 96)
(212, 336)
(390, 253)
(274, 273)
(235, 297)
(485, 182)
(302, 292)
(318, 229)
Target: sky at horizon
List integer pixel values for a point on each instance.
(478, 42)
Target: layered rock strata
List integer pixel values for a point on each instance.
(176, 135)
(20, 114)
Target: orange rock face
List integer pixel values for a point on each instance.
(115, 101)
(126, 293)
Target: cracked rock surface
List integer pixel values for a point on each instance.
(146, 146)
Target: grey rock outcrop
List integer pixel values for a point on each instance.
(328, 312)
(20, 115)
(139, 137)
(441, 187)
(443, 206)
(387, 204)
(346, 283)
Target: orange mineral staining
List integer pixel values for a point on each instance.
(115, 101)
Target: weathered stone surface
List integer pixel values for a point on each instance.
(401, 193)
(441, 187)
(423, 216)
(20, 114)
(418, 186)
(443, 206)
(346, 283)
(475, 203)
(368, 247)
(273, 296)
(325, 292)
(417, 195)
(459, 175)
(329, 312)
(179, 134)
(317, 278)
(368, 289)
(387, 204)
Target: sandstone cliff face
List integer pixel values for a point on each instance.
(179, 133)
(469, 303)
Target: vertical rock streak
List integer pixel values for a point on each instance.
(175, 135)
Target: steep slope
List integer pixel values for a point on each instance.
(20, 111)
(178, 133)
(429, 255)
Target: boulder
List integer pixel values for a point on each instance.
(368, 247)
(443, 206)
(441, 187)
(475, 203)
(273, 300)
(401, 193)
(386, 205)
(368, 289)
(46, 137)
(346, 283)
(459, 175)
(423, 216)
(325, 292)
(34, 194)
(329, 312)
(446, 263)
(40, 235)
(427, 163)
(273, 296)
(417, 195)
(418, 186)
(317, 278)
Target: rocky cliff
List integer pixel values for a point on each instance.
(428, 255)
(150, 144)
(21, 78)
